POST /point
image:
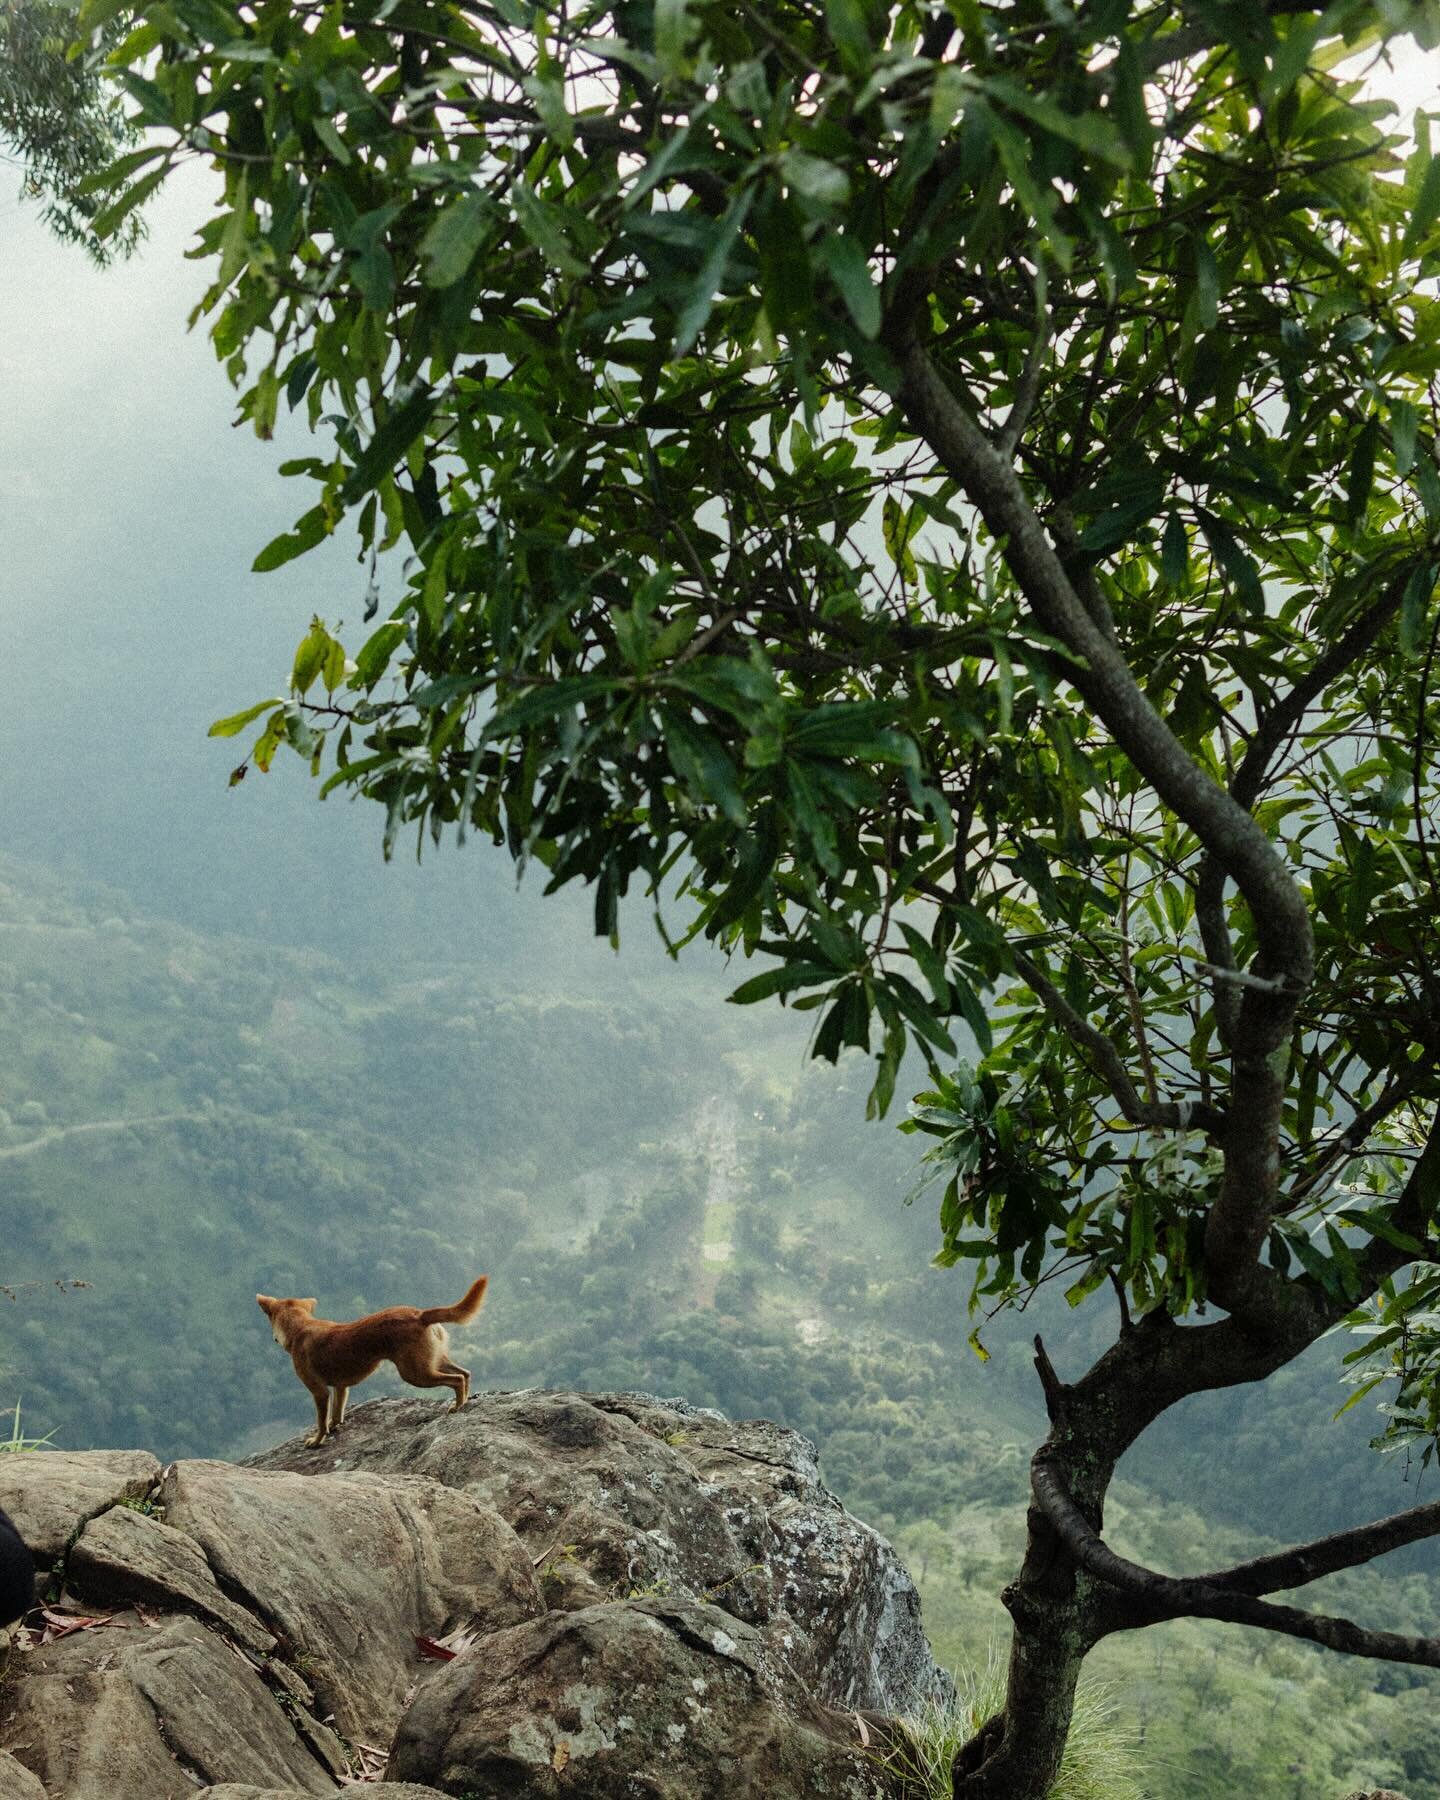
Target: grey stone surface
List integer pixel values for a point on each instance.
(51, 1493)
(130, 1712)
(348, 1569)
(672, 1701)
(128, 1555)
(16, 1781)
(620, 1495)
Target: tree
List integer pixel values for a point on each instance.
(945, 499)
(66, 123)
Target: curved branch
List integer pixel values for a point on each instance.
(1104, 680)
(1274, 728)
(1157, 1597)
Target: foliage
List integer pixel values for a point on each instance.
(18, 1440)
(1101, 1756)
(599, 314)
(1099, 685)
(66, 123)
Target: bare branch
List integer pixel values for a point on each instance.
(1340, 1550)
(1159, 1597)
(1274, 728)
(1028, 390)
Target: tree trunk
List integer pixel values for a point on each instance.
(1059, 1611)
(1016, 1755)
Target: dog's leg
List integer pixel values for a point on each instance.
(462, 1393)
(421, 1373)
(320, 1394)
(338, 1402)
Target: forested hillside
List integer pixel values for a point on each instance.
(668, 1198)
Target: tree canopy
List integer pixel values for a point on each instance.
(65, 123)
(945, 500)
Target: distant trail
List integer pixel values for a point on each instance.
(57, 1132)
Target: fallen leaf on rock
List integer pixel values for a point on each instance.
(862, 1728)
(59, 1625)
(436, 1651)
(560, 1758)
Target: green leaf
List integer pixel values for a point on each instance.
(1174, 552)
(1404, 426)
(449, 246)
(325, 130)
(309, 530)
(1426, 208)
(397, 432)
(1415, 610)
(711, 279)
(813, 178)
(847, 267)
(545, 227)
(780, 981)
(237, 722)
(374, 656)
(105, 224)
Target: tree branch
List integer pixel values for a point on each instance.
(1104, 679)
(1157, 1597)
(1169, 1115)
(1274, 728)
(1323, 1556)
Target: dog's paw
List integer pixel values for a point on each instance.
(314, 1443)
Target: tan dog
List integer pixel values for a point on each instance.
(332, 1358)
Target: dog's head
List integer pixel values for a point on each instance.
(284, 1314)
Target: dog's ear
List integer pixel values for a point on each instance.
(306, 1305)
(265, 1303)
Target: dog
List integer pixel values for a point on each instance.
(331, 1358)
(17, 1576)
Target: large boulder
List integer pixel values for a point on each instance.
(16, 1781)
(619, 1496)
(667, 1700)
(51, 1493)
(138, 1710)
(348, 1569)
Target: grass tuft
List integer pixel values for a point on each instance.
(1102, 1754)
(18, 1441)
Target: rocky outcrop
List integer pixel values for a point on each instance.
(586, 1701)
(546, 1594)
(621, 1495)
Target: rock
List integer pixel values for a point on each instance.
(381, 1790)
(347, 1569)
(1375, 1794)
(130, 1712)
(16, 1781)
(127, 1555)
(618, 1496)
(672, 1701)
(51, 1493)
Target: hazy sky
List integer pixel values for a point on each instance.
(132, 512)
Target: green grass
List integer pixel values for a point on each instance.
(17, 1439)
(1102, 1758)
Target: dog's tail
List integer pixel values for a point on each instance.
(463, 1312)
